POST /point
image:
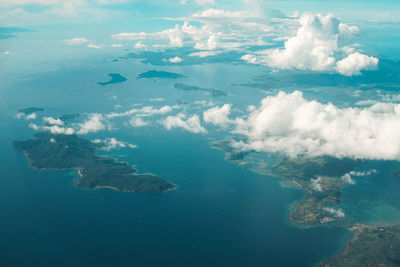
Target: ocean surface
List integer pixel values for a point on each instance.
(221, 214)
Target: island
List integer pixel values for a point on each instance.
(52, 151)
(212, 91)
(160, 74)
(114, 78)
(370, 246)
(30, 110)
(68, 117)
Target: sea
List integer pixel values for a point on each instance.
(221, 214)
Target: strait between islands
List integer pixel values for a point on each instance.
(50, 151)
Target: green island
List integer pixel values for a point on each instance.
(160, 74)
(68, 117)
(30, 110)
(369, 246)
(211, 91)
(114, 78)
(50, 151)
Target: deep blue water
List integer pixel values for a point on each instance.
(222, 214)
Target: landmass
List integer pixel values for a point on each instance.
(160, 74)
(320, 178)
(369, 246)
(114, 78)
(68, 117)
(49, 151)
(212, 91)
(30, 110)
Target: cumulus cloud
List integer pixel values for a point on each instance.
(54, 129)
(95, 46)
(175, 60)
(316, 184)
(338, 213)
(138, 122)
(92, 125)
(218, 115)
(113, 143)
(348, 176)
(290, 124)
(52, 121)
(31, 116)
(355, 62)
(191, 124)
(316, 47)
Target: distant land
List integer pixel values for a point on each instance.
(369, 246)
(160, 74)
(115, 78)
(30, 110)
(212, 91)
(49, 151)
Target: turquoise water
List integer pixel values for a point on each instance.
(222, 214)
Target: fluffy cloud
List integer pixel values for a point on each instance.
(316, 47)
(54, 129)
(218, 115)
(112, 143)
(354, 63)
(338, 213)
(175, 60)
(191, 124)
(52, 121)
(290, 124)
(92, 125)
(348, 176)
(138, 122)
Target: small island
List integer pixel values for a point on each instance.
(160, 74)
(114, 78)
(68, 117)
(211, 91)
(30, 110)
(50, 151)
(370, 246)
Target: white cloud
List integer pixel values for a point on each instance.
(113, 143)
(175, 59)
(191, 124)
(52, 121)
(31, 116)
(144, 111)
(138, 122)
(140, 45)
(92, 125)
(202, 54)
(355, 62)
(54, 129)
(335, 212)
(316, 47)
(205, 2)
(290, 124)
(95, 46)
(76, 41)
(348, 176)
(218, 115)
(316, 184)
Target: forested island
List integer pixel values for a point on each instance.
(50, 151)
